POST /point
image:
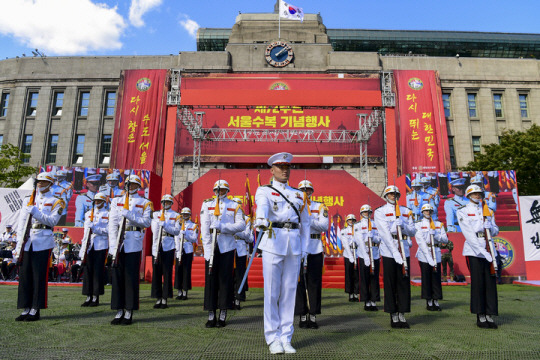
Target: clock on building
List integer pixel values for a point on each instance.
(279, 54)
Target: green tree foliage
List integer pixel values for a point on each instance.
(519, 151)
(12, 169)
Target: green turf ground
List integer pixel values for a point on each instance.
(68, 331)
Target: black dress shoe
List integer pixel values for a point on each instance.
(303, 324)
(430, 308)
(184, 297)
(34, 317)
(157, 306)
(86, 303)
(437, 308)
(404, 325)
(179, 297)
(492, 325)
(127, 321)
(211, 323)
(374, 308)
(21, 317)
(482, 324)
(221, 323)
(367, 307)
(312, 324)
(94, 303)
(116, 321)
(164, 305)
(395, 324)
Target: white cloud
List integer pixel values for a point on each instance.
(189, 25)
(62, 27)
(140, 7)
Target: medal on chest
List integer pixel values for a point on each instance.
(275, 207)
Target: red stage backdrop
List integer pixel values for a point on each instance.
(138, 140)
(278, 102)
(423, 140)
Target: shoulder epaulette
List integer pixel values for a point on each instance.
(149, 203)
(380, 207)
(207, 200)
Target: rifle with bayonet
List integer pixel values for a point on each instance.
(86, 240)
(160, 237)
(432, 244)
(370, 248)
(401, 247)
(122, 230)
(217, 214)
(489, 241)
(28, 224)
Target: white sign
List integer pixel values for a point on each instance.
(530, 225)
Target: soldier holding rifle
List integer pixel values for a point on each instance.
(395, 225)
(94, 248)
(429, 236)
(367, 239)
(188, 236)
(129, 217)
(35, 240)
(478, 226)
(242, 238)
(350, 259)
(221, 218)
(284, 221)
(165, 226)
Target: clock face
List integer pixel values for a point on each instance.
(279, 54)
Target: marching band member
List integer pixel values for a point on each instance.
(94, 250)
(243, 239)
(165, 226)
(397, 287)
(34, 271)
(284, 219)
(184, 254)
(475, 226)
(349, 246)
(315, 259)
(127, 255)
(430, 266)
(221, 218)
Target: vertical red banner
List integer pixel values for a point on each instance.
(422, 135)
(138, 141)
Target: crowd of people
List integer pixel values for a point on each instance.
(288, 224)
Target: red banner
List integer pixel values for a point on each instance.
(423, 139)
(138, 140)
(300, 113)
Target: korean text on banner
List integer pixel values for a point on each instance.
(422, 136)
(530, 224)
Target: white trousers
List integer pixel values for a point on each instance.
(280, 281)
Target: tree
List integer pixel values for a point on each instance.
(12, 168)
(519, 151)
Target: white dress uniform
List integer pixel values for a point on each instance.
(182, 280)
(431, 280)
(282, 251)
(369, 283)
(162, 280)
(191, 235)
(243, 239)
(352, 284)
(97, 246)
(83, 203)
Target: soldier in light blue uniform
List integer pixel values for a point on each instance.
(489, 197)
(83, 203)
(453, 204)
(111, 187)
(63, 189)
(432, 197)
(416, 198)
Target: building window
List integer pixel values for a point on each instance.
(105, 152)
(52, 149)
(58, 104)
(31, 107)
(452, 152)
(84, 101)
(110, 102)
(524, 106)
(497, 104)
(476, 147)
(471, 98)
(78, 150)
(27, 147)
(4, 102)
(1, 140)
(446, 105)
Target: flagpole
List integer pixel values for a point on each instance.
(279, 26)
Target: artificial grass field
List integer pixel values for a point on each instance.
(346, 331)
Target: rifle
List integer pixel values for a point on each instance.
(122, 231)
(160, 237)
(432, 244)
(353, 247)
(370, 246)
(304, 274)
(28, 225)
(182, 242)
(489, 242)
(252, 256)
(88, 235)
(217, 213)
(405, 267)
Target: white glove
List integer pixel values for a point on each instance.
(215, 224)
(182, 233)
(397, 257)
(125, 213)
(487, 256)
(431, 262)
(261, 223)
(28, 209)
(367, 262)
(432, 232)
(487, 224)
(398, 221)
(393, 228)
(161, 223)
(370, 234)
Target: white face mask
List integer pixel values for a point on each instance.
(42, 190)
(133, 192)
(166, 205)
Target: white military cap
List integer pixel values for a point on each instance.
(100, 196)
(45, 176)
(305, 184)
(350, 217)
(365, 207)
(427, 207)
(186, 210)
(280, 158)
(167, 197)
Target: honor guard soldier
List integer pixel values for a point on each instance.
(352, 283)
(111, 187)
(136, 216)
(165, 226)
(310, 284)
(8, 235)
(489, 197)
(367, 239)
(9, 243)
(284, 221)
(429, 236)
(452, 205)
(221, 218)
(83, 202)
(66, 192)
(189, 234)
(243, 238)
(395, 230)
(94, 248)
(45, 210)
(478, 227)
(416, 198)
(432, 197)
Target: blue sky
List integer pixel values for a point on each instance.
(162, 27)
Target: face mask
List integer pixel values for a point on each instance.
(132, 192)
(42, 190)
(166, 206)
(391, 201)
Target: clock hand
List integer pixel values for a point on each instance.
(281, 51)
